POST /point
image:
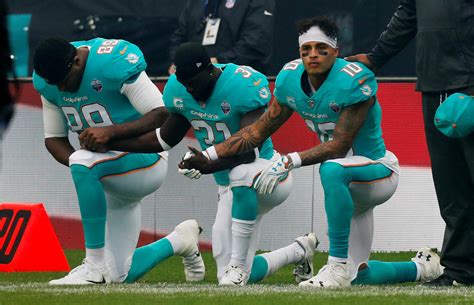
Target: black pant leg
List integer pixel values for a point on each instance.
(452, 162)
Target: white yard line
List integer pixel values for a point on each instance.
(209, 290)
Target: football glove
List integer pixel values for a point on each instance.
(190, 173)
(271, 176)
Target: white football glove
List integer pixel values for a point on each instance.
(272, 175)
(190, 173)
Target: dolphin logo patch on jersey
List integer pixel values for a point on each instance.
(225, 106)
(132, 58)
(264, 93)
(366, 90)
(97, 85)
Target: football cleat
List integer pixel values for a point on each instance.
(332, 275)
(194, 269)
(304, 267)
(234, 276)
(428, 264)
(85, 274)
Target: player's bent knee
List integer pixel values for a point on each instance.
(81, 157)
(238, 176)
(332, 172)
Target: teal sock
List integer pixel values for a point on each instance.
(147, 257)
(92, 204)
(339, 207)
(244, 203)
(386, 273)
(259, 269)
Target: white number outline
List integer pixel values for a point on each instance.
(326, 130)
(107, 46)
(87, 112)
(211, 135)
(352, 69)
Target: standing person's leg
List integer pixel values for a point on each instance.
(452, 168)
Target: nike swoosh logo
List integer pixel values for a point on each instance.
(361, 81)
(123, 50)
(94, 282)
(256, 83)
(265, 12)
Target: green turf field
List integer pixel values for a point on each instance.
(166, 285)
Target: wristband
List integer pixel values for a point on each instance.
(163, 144)
(295, 159)
(211, 153)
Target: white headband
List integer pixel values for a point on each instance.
(315, 34)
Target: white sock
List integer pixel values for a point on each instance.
(282, 257)
(418, 271)
(96, 256)
(340, 260)
(241, 233)
(176, 242)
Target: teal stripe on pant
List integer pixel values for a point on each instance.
(338, 202)
(147, 257)
(91, 194)
(386, 273)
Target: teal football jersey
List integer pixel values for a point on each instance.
(347, 84)
(98, 102)
(238, 90)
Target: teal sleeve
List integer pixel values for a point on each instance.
(358, 88)
(49, 92)
(126, 61)
(169, 95)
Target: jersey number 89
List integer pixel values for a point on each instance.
(95, 115)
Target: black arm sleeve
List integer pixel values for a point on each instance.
(400, 30)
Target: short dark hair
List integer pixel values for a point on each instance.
(53, 58)
(327, 25)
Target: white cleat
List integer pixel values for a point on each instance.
(332, 275)
(234, 276)
(194, 269)
(85, 274)
(428, 264)
(304, 267)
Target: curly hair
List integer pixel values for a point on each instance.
(328, 26)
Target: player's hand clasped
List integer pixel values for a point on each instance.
(195, 160)
(190, 173)
(272, 175)
(95, 138)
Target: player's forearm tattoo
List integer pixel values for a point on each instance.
(253, 135)
(242, 141)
